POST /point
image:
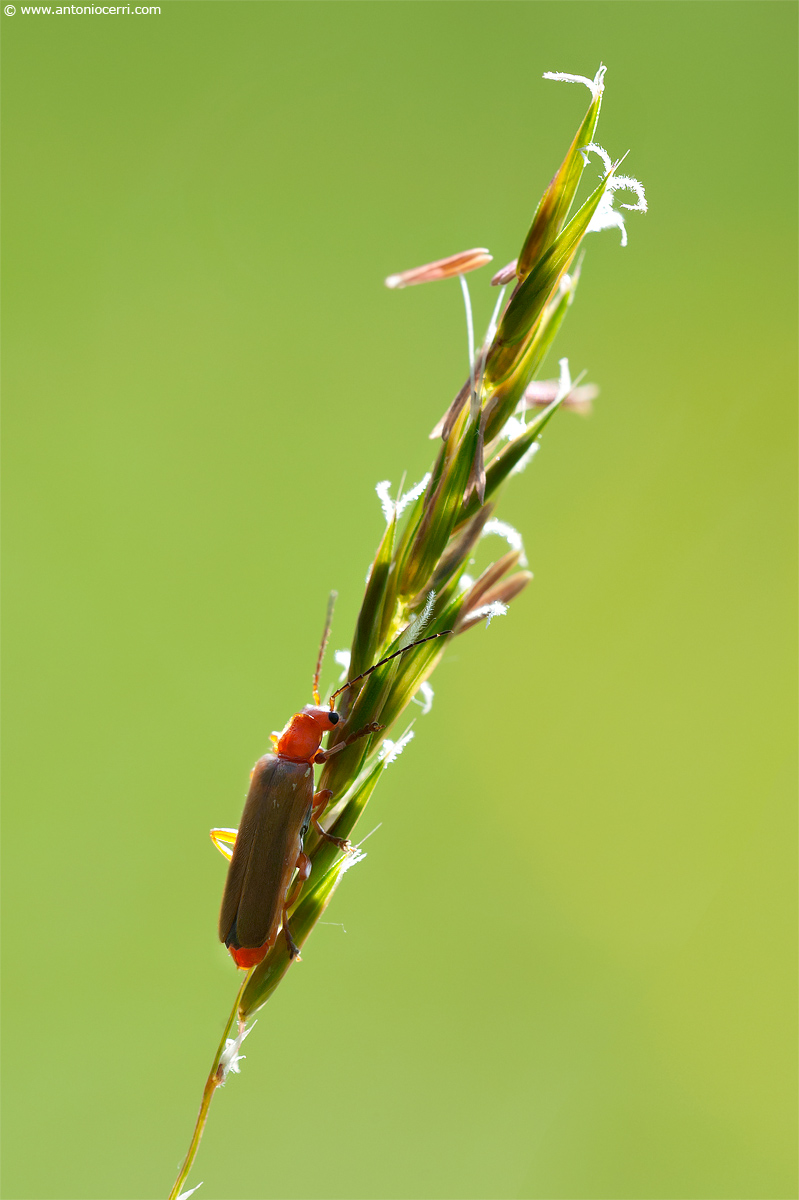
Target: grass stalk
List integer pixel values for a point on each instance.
(216, 1078)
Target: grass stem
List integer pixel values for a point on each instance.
(216, 1077)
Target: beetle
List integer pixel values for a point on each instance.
(280, 806)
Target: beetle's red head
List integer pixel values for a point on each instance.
(324, 716)
(303, 735)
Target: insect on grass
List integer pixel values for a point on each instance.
(284, 864)
(267, 852)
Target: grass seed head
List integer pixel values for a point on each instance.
(418, 581)
(419, 578)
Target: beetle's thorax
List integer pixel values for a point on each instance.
(303, 735)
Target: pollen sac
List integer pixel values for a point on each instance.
(505, 274)
(541, 393)
(442, 268)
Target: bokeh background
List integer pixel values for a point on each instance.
(569, 961)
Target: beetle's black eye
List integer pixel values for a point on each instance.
(333, 716)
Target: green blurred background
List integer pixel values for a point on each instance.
(569, 960)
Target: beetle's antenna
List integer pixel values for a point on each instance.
(331, 601)
(431, 637)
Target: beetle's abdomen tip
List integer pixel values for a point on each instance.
(246, 956)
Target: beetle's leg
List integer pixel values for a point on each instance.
(322, 756)
(303, 871)
(320, 802)
(293, 948)
(222, 838)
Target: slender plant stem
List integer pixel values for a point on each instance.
(215, 1078)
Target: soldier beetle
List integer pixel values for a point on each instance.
(281, 804)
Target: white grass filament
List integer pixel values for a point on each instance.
(512, 536)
